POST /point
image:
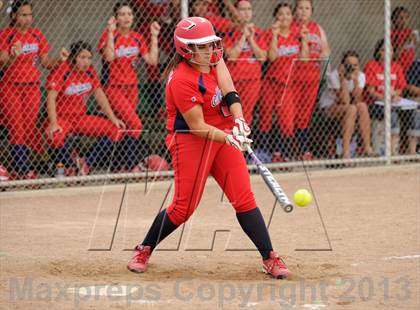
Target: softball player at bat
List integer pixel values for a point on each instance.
(246, 50)
(22, 49)
(279, 92)
(204, 124)
(120, 47)
(69, 88)
(308, 72)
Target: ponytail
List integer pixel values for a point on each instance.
(172, 64)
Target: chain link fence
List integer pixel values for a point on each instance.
(310, 75)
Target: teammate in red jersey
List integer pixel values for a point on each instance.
(22, 49)
(404, 39)
(308, 72)
(121, 48)
(69, 88)
(246, 50)
(202, 123)
(207, 8)
(279, 89)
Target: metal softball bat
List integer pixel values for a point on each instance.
(271, 182)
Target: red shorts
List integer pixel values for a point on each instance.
(91, 126)
(193, 159)
(123, 100)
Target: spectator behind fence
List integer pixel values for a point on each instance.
(413, 88)
(69, 87)
(22, 49)
(308, 73)
(403, 37)
(167, 14)
(342, 100)
(120, 48)
(205, 9)
(278, 91)
(245, 50)
(375, 75)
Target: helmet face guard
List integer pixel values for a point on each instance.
(192, 32)
(216, 53)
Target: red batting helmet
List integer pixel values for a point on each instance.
(193, 30)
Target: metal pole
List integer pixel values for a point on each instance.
(184, 8)
(387, 81)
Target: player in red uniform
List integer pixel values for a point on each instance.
(246, 50)
(403, 38)
(120, 48)
(279, 86)
(69, 88)
(202, 123)
(207, 8)
(308, 72)
(375, 89)
(22, 49)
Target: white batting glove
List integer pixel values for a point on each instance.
(238, 141)
(241, 128)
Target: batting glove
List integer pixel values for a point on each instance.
(238, 141)
(241, 128)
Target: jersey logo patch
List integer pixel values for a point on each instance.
(217, 97)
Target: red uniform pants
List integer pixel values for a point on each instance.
(249, 91)
(19, 105)
(88, 125)
(278, 98)
(307, 80)
(193, 159)
(123, 100)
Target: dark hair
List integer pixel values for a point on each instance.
(119, 5)
(378, 46)
(281, 5)
(172, 64)
(350, 53)
(396, 13)
(76, 48)
(16, 5)
(190, 6)
(297, 2)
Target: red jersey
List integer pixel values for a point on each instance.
(374, 72)
(310, 70)
(121, 71)
(25, 69)
(73, 87)
(246, 66)
(402, 39)
(287, 50)
(187, 87)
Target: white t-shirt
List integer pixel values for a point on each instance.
(329, 96)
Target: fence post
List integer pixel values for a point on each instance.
(387, 81)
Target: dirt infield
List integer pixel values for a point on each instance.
(68, 248)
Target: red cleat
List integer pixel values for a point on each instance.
(275, 267)
(140, 259)
(31, 175)
(4, 174)
(308, 156)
